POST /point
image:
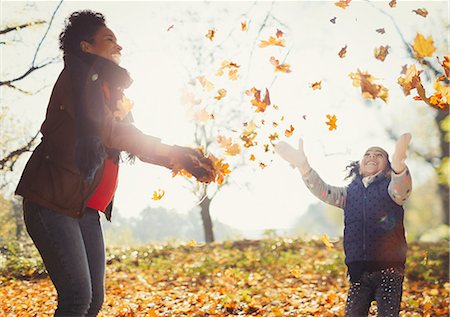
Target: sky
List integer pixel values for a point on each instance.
(165, 49)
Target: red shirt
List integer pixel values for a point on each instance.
(105, 190)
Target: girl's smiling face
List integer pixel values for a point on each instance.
(104, 44)
(374, 160)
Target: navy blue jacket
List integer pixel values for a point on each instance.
(374, 230)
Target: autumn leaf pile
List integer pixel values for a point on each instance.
(270, 277)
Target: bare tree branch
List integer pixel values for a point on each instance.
(8, 162)
(19, 27)
(33, 66)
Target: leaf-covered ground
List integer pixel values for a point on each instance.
(273, 277)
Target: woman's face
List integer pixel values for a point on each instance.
(373, 161)
(104, 44)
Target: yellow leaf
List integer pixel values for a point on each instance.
(221, 93)
(326, 241)
(244, 26)
(158, 194)
(205, 83)
(316, 85)
(331, 122)
(210, 35)
(423, 47)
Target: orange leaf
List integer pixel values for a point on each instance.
(260, 105)
(316, 85)
(393, 3)
(207, 85)
(342, 52)
(210, 34)
(342, 3)
(252, 157)
(285, 68)
(244, 26)
(273, 41)
(369, 89)
(289, 132)
(331, 122)
(381, 52)
(273, 136)
(446, 65)
(262, 165)
(422, 12)
(279, 33)
(221, 93)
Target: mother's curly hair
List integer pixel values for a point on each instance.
(79, 26)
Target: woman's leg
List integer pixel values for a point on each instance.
(91, 231)
(389, 292)
(359, 297)
(60, 243)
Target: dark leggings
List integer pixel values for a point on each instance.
(384, 286)
(73, 252)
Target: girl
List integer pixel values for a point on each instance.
(374, 235)
(72, 174)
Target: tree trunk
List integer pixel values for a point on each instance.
(207, 222)
(444, 145)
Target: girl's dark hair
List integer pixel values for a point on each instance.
(79, 26)
(353, 169)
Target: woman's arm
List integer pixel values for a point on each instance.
(332, 195)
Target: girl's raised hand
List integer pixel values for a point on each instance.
(296, 157)
(401, 148)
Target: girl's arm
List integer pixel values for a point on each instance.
(332, 195)
(401, 185)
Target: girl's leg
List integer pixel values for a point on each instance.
(60, 243)
(91, 231)
(389, 292)
(359, 298)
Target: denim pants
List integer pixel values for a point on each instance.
(73, 252)
(385, 286)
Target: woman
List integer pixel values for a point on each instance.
(72, 174)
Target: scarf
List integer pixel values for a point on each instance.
(87, 73)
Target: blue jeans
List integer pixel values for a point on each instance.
(73, 252)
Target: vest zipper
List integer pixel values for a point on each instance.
(364, 224)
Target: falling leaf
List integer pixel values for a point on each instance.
(275, 107)
(423, 47)
(260, 105)
(446, 65)
(343, 3)
(266, 147)
(232, 69)
(262, 165)
(369, 89)
(158, 194)
(123, 107)
(441, 97)
(393, 3)
(252, 157)
(249, 134)
(210, 35)
(342, 52)
(304, 117)
(273, 41)
(331, 122)
(273, 136)
(381, 52)
(230, 148)
(381, 31)
(244, 26)
(279, 33)
(274, 124)
(282, 118)
(221, 169)
(326, 241)
(410, 79)
(263, 121)
(207, 85)
(289, 132)
(333, 20)
(422, 12)
(284, 68)
(221, 93)
(202, 116)
(317, 85)
(170, 28)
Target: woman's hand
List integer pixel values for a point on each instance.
(296, 157)
(193, 161)
(399, 157)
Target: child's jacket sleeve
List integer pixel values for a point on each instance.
(400, 186)
(332, 195)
